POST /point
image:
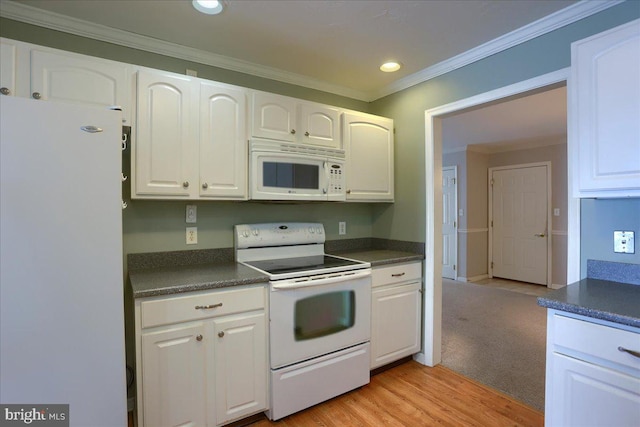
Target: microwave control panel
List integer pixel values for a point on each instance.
(337, 183)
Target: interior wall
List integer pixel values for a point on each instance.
(550, 52)
(599, 219)
(477, 213)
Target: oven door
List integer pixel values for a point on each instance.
(318, 315)
(282, 176)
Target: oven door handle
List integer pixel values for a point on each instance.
(322, 280)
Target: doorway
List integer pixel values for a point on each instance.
(432, 326)
(519, 218)
(449, 222)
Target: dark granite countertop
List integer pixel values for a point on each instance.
(599, 299)
(379, 257)
(188, 278)
(152, 279)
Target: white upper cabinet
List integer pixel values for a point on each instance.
(604, 109)
(288, 119)
(80, 79)
(164, 152)
(8, 64)
(223, 141)
(368, 142)
(319, 125)
(273, 117)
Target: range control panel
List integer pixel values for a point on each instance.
(278, 234)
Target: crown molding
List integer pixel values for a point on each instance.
(31, 15)
(535, 29)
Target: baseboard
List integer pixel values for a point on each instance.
(556, 286)
(473, 279)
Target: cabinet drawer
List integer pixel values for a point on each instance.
(396, 273)
(202, 305)
(595, 340)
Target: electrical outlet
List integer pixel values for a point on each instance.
(556, 212)
(342, 228)
(192, 235)
(191, 214)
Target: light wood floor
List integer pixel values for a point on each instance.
(416, 395)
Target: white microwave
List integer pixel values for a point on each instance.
(285, 171)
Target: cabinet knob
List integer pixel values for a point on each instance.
(306, 134)
(5, 91)
(539, 234)
(185, 184)
(221, 334)
(293, 131)
(348, 191)
(205, 185)
(36, 95)
(199, 338)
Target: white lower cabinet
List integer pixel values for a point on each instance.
(590, 381)
(201, 357)
(396, 310)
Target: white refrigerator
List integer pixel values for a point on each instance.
(61, 287)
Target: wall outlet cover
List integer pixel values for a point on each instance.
(192, 235)
(624, 242)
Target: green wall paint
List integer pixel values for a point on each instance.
(550, 52)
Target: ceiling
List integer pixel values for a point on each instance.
(340, 44)
(528, 121)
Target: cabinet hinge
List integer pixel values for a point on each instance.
(492, 182)
(491, 264)
(454, 224)
(454, 180)
(454, 267)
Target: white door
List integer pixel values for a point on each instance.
(240, 359)
(167, 124)
(223, 142)
(173, 376)
(449, 223)
(320, 125)
(273, 117)
(80, 80)
(368, 142)
(519, 209)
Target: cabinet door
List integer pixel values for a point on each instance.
(174, 377)
(605, 105)
(320, 125)
(395, 323)
(240, 359)
(8, 64)
(163, 154)
(589, 395)
(368, 141)
(80, 80)
(273, 117)
(223, 142)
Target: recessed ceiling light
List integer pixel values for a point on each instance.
(210, 7)
(390, 67)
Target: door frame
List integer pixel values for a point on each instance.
(455, 215)
(549, 219)
(431, 353)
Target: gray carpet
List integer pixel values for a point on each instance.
(496, 337)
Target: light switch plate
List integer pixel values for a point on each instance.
(624, 242)
(191, 214)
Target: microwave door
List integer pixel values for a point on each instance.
(287, 177)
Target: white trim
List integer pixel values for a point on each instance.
(559, 19)
(31, 15)
(456, 220)
(559, 233)
(473, 230)
(432, 327)
(549, 190)
(473, 279)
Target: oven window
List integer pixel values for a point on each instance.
(290, 175)
(324, 314)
